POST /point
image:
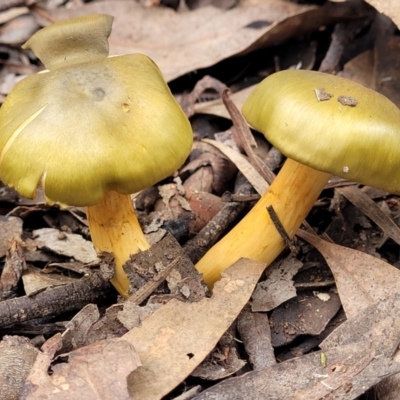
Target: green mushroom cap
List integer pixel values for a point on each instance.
(90, 123)
(331, 124)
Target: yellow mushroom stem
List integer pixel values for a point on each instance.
(114, 228)
(292, 195)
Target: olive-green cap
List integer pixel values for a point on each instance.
(331, 124)
(90, 123)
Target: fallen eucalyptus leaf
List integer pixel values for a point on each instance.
(211, 34)
(93, 372)
(217, 107)
(17, 356)
(391, 8)
(242, 165)
(218, 34)
(9, 228)
(354, 358)
(361, 279)
(34, 279)
(176, 338)
(66, 244)
(278, 287)
(371, 210)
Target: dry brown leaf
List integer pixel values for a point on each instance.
(377, 68)
(157, 32)
(306, 314)
(177, 337)
(94, 372)
(361, 279)
(66, 244)
(242, 165)
(211, 34)
(353, 359)
(17, 356)
(209, 172)
(360, 69)
(34, 279)
(386, 60)
(255, 332)
(391, 8)
(245, 139)
(204, 206)
(18, 30)
(13, 269)
(81, 324)
(217, 107)
(371, 210)
(278, 287)
(10, 227)
(11, 13)
(219, 364)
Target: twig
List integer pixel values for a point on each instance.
(231, 197)
(207, 83)
(55, 301)
(213, 231)
(216, 227)
(343, 34)
(148, 288)
(245, 138)
(278, 225)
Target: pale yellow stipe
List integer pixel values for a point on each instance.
(114, 228)
(292, 195)
(14, 136)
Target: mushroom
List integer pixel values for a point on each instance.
(92, 129)
(325, 125)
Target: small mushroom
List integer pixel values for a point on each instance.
(92, 129)
(358, 141)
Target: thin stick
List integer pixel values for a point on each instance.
(55, 301)
(149, 287)
(279, 227)
(245, 138)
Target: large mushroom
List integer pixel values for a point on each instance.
(325, 125)
(92, 129)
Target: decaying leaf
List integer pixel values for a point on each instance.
(216, 107)
(391, 8)
(371, 210)
(210, 172)
(66, 244)
(9, 228)
(157, 31)
(14, 267)
(146, 270)
(376, 68)
(34, 279)
(242, 165)
(255, 333)
(17, 356)
(361, 279)
(352, 359)
(278, 287)
(18, 30)
(223, 361)
(81, 324)
(174, 340)
(306, 314)
(92, 372)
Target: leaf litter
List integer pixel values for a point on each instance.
(163, 340)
